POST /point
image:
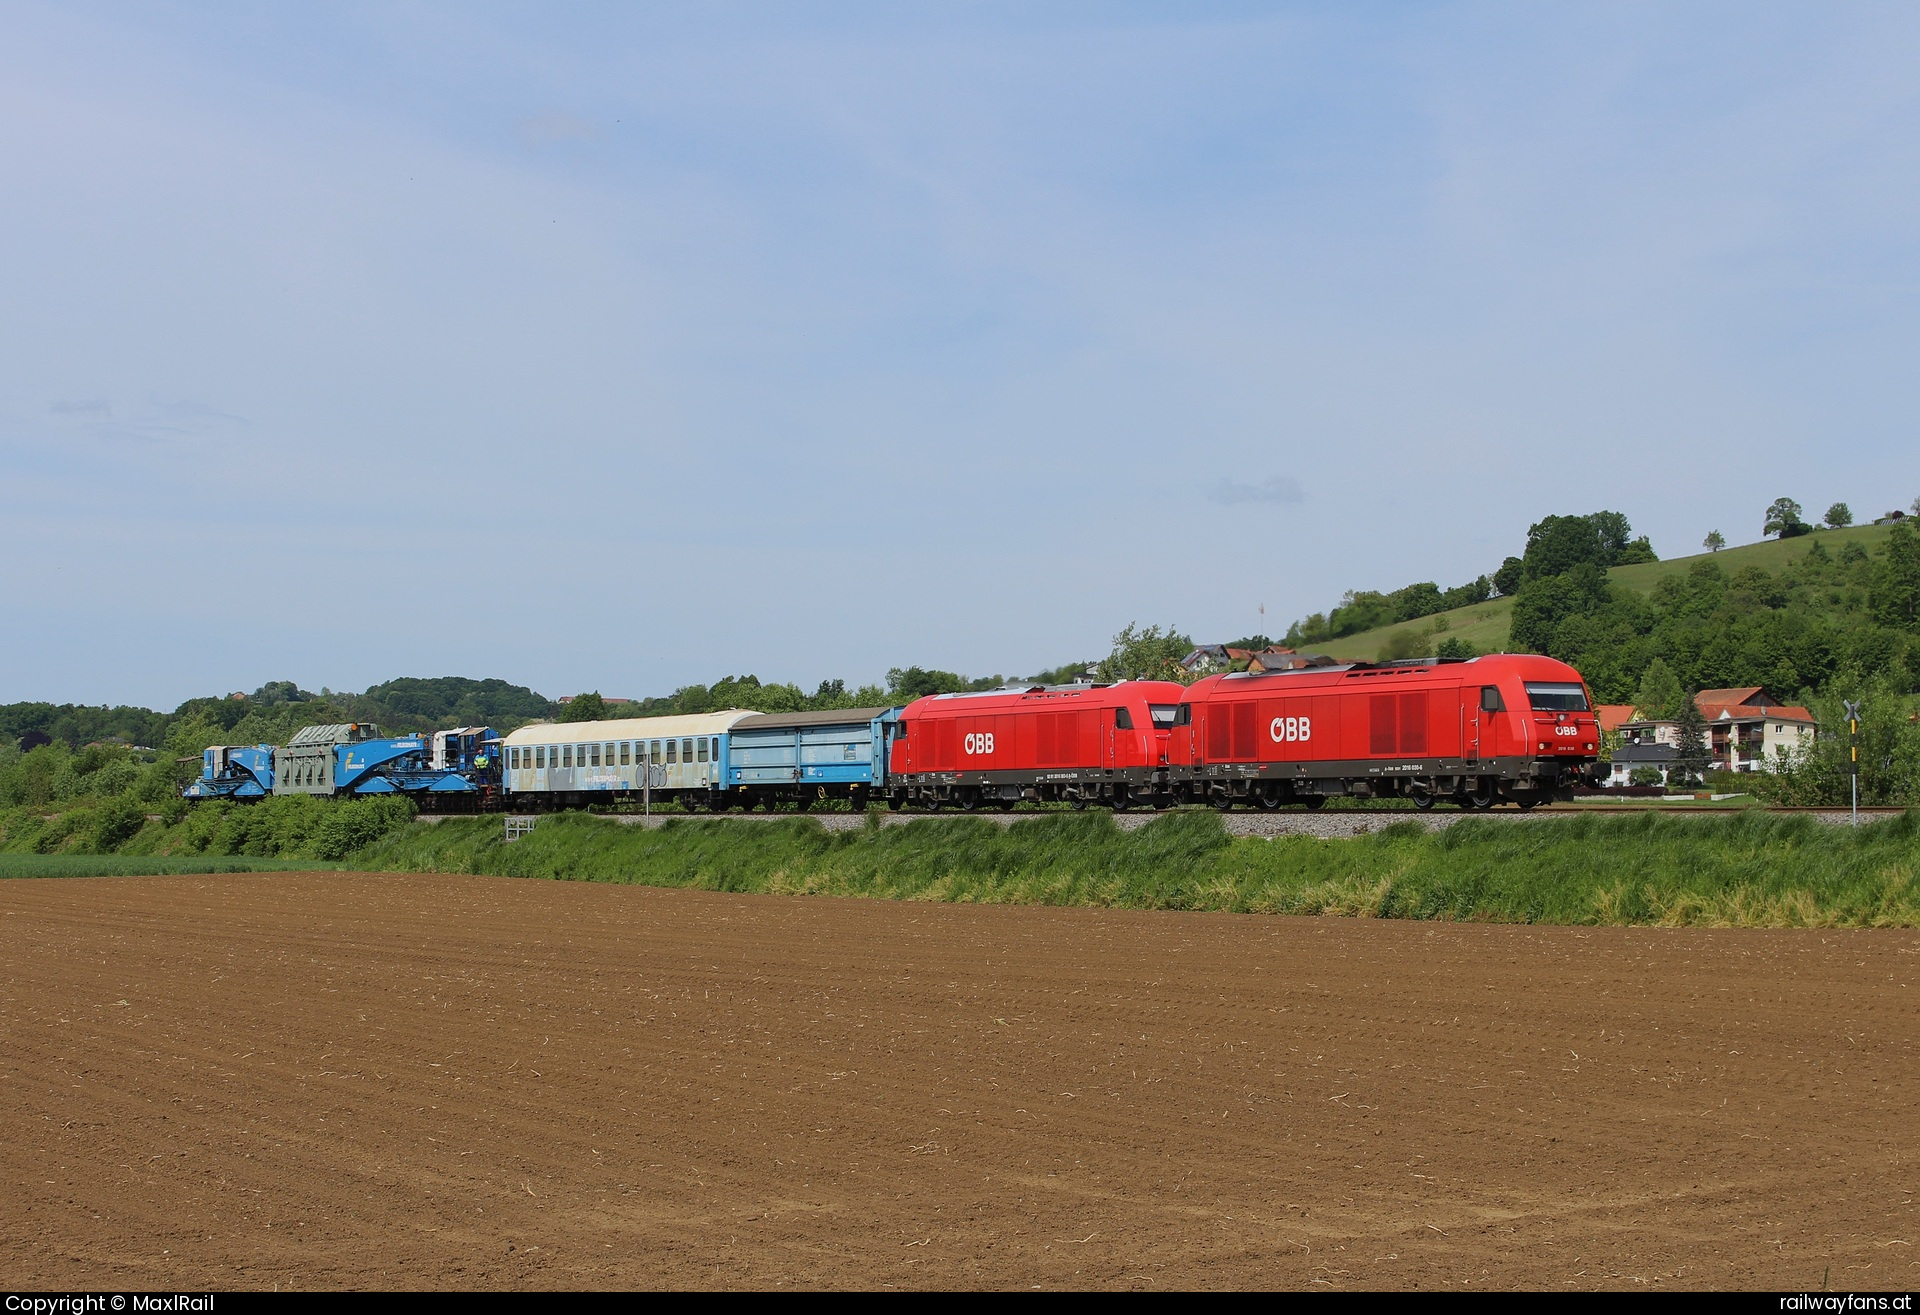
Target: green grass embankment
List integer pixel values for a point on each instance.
(1751, 869)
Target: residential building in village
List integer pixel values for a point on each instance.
(1747, 730)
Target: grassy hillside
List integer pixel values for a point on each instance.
(1485, 625)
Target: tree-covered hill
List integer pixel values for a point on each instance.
(1792, 614)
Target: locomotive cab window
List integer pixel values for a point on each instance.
(1123, 718)
(1165, 715)
(1557, 697)
(1490, 699)
(1183, 715)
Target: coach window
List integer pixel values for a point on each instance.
(671, 746)
(626, 753)
(609, 755)
(594, 755)
(1123, 718)
(702, 744)
(716, 748)
(540, 756)
(653, 753)
(686, 751)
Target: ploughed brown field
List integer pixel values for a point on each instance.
(340, 1080)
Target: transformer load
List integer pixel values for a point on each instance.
(353, 758)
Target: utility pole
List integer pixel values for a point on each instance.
(1853, 753)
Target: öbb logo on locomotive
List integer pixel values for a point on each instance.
(981, 742)
(1284, 729)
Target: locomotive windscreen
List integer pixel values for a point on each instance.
(1164, 715)
(1556, 698)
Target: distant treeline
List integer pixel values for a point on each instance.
(405, 704)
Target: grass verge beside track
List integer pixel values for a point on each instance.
(1750, 869)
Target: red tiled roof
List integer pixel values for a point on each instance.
(1742, 712)
(1731, 697)
(1613, 716)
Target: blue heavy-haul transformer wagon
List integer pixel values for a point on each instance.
(353, 758)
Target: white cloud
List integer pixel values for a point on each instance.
(1274, 489)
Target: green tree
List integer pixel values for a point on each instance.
(1896, 590)
(585, 707)
(1660, 695)
(1714, 541)
(1506, 580)
(1149, 654)
(1821, 773)
(1543, 603)
(905, 684)
(1455, 647)
(1691, 754)
(1839, 516)
(1783, 518)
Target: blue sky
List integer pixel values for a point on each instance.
(628, 346)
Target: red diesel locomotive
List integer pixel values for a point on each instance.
(1507, 728)
(1079, 743)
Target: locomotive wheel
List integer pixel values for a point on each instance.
(968, 801)
(933, 803)
(1079, 803)
(895, 803)
(1223, 802)
(1162, 802)
(1267, 802)
(1422, 799)
(1315, 802)
(1006, 805)
(1121, 800)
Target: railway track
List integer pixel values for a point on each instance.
(1326, 824)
